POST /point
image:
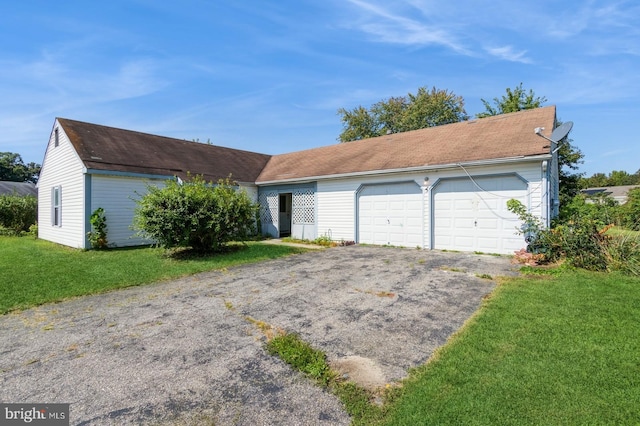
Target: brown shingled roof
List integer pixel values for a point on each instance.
(110, 149)
(501, 136)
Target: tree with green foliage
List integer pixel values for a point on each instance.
(426, 108)
(569, 156)
(615, 178)
(13, 169)
(513, 101)
(196, 214)
(569, 160)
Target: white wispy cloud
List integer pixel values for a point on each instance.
(508, 53)
(390, 27)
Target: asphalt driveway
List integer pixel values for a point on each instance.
(189, 351)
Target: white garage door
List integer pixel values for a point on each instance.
(468, 218)
(391, 214)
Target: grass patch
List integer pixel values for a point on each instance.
(553, 350)
(33, 272)
(313, 363)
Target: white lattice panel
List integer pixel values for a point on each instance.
(304, 206)
(269, 207)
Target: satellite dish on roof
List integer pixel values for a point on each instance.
(561, 132)
(557, 135)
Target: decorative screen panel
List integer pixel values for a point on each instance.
(303, 206)
(269, 207)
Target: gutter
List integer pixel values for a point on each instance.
(426, 167)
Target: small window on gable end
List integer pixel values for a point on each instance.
(56, 137)
(56, 206)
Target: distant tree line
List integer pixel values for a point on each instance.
(615, 178)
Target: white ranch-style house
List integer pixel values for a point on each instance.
(443, 187)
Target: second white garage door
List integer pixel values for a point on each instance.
(391, 214)
(472, 216)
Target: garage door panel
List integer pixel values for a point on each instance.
(488, 224)
(463, 223)
(480, 218)
(394, 212)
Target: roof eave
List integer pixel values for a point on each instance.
(426, 167)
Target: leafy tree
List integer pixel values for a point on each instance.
(620, 177)
(358, 124)
(195, 214)
(595, 181)
(427, 108)
(569, 157)
(513, 101)
(13, 169)
(631, 210)
(615, 178)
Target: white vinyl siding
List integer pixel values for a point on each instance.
(62, 168)
(117, 196)
(336, 209)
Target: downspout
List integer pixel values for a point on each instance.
(545, 194)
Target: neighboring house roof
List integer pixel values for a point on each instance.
(618, 193)
(18, 188)
(498, 137)
(111, 149)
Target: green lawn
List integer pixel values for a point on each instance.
(33, 272)
(562, 350)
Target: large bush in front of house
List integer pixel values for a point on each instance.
(196, 214)
(17, 213)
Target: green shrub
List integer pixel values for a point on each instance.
(98, 237)
(195, 214)
(17, 213)
(582, 240)
(601, 209)
(630, 211)
(623, 253)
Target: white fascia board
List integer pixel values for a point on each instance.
(425, 168)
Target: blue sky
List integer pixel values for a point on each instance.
(270, 75)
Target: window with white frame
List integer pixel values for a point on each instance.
(56, 206)
(56, 137)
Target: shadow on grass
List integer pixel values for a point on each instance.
(189, 254)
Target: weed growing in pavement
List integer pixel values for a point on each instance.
(313, 363)
(484, 276)
(451, 269)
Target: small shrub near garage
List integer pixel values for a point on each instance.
(17, 213)
(196, 214)
(580, 240)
